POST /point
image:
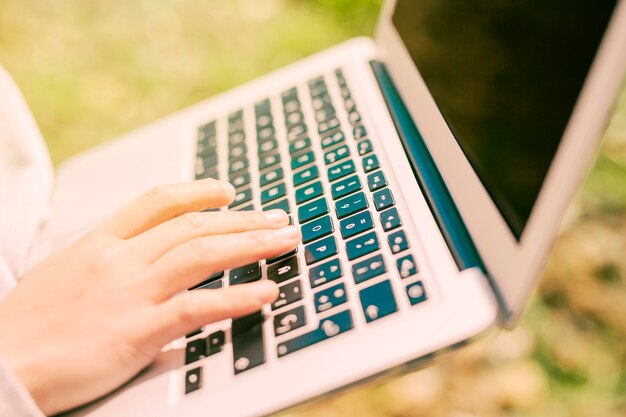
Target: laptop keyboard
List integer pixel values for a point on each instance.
(336, 198)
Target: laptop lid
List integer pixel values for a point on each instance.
(511, 99)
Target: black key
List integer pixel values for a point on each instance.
(242, 197)
(351, 205)
(291, 105)
(320, 102)
(212, 278)
(376, 181)
(316, 229)
(237, 151)
(273, 193)
(336, 154)
(370, 163)
(236, 138)
(354, 117)
(416, 293)
(330, 298)
(209, 129)
(320, 250)
(359, 132)
(241, 180)
(328, 125)
(264, 120)
(282, 204)
(195, 350)
(299, 145)
(269, 160)
(215, 342)
(305, 176)
(215, 285)
(378, 301)
(390, 219)
(209, 160)
(193, 380)
(340, 171)
(281, 257)
(362, 245)
(265, 133)
(312, 210)
(302, 160)
(329, 327)
(195, 332)
(294, 118)
(271, 176)
(249, 207)
(289, 320)
(368, 269)
(398, 242)
(333, 139)
(245, 274)
(209, 173)
(345, 187)
(288, 293)
(294, 132)
(364, 147)
(237, 165)
(324, 113)
(356, 224)
(283, 270)
(267, 145)
(262, 106)
(290, 94)
(383, 199)
(406, 266)
(309, 192)
(326, 272)
(248, 349)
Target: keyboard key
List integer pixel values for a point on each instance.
(240, 180)
(215, 285)
(215, 342)
(271, 176)
(273, 193)
(351, 205)
(416, 293)
(289, 320)
(283, 270)
(282, 204)
(294, 118)
(328, 125)
(332, 139)
(295, 132)
(376, 181)
(288, 294)
(245, 274)
(193, 380)
(247, 341)
(356, 224)
(195, 332)
(340, 171)
(212, 278)
(237, 165)
(299, 145)
(320, 250)
(406, 266)
(368, 269)
(326, 272)
(362, 245)
(345, 187)
(309, 192)
(370, 163)
(336, 154)
(305, 176)
(359, 132)
(398, 242)
(330, 298)
(383, 199)
(264, 120)
(322, 101)
(316, 229)
(242, 197)
(268, 161)
(302, 160)
(195, 350)
(378, 301)
(390, 219)
(265, 133)
(281, 257)
(237, 138)
(237, 151)
(268, 145)
(329, 327)
(364, 147)
(312, 210)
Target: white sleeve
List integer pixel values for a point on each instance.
(15, 401)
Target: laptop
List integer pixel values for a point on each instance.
(429, 169)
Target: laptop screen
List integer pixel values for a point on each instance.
(506, 76)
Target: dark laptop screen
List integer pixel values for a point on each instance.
(505, 75)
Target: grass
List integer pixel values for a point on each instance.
(94, 69)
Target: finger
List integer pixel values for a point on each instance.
(155, 242)
(188, 264)
(191, 310)
(165, 202)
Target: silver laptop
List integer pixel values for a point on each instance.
(428, 168)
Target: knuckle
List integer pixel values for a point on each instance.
(211, 186)
(259, 238)
(251, 220)
(192, 220)
(201, 248)
(186, 311)
(159, 195)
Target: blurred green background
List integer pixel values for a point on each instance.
(92, 69)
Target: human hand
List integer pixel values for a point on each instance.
(88, 318)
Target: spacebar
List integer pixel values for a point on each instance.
(247, 338)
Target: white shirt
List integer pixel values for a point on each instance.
(25, 185)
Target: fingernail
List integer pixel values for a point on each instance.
(288, 233)
(277, 216)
